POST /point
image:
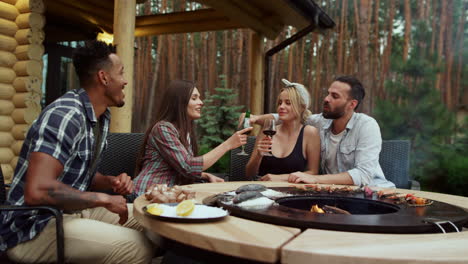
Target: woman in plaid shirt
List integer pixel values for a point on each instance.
(168, 156)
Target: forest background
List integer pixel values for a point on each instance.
(409, 54)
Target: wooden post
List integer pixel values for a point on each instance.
(124, 38)
(256, 66)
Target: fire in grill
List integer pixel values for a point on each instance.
(328, 209)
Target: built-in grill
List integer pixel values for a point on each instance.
(367, 214)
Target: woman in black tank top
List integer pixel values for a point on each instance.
(295, 147)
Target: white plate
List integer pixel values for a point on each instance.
(201, 213)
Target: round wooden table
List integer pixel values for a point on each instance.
(269, 243)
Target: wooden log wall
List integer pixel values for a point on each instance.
(21, 50)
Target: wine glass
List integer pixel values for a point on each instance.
(269, 130)
(244, 124)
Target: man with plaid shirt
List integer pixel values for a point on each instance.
(57, 167)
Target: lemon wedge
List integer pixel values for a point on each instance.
(185, 208)
(155, 209)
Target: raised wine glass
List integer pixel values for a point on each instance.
(244, 124)
(269, 129)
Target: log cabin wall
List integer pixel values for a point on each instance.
(21, 50)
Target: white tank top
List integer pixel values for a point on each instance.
(331, 164)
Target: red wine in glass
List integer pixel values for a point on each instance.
(269, 133)
(269, 129)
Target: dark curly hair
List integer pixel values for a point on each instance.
(90, 58)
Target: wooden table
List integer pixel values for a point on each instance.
(271, 243)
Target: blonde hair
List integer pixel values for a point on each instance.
(298, 102)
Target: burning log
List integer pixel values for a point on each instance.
(316, 209)
(334, 210)
(328, 209)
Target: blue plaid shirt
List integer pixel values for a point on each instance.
(63, 130)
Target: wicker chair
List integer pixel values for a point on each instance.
(395, 161)
(121, 153)
(238, 162)
(55, 212)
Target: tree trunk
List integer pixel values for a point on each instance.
(301, 68)
(310, 76)
(433, 26)
(213, 73)
(440, 47)
(407, 29)
(376, 47)
(226, 57)
(427, 9)
(238, 63)
(388, 47)
(191, 75)
(290, 51)
(459, 40)
(318, 74)
(341, 33)
(363, 43)
(449, 56)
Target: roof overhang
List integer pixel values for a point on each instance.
(83, 19)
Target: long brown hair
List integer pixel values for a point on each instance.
(173, 108)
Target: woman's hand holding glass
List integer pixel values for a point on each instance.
(264, 146)
(244, 123)
(239, 138)
(269, 130)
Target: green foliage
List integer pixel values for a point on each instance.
(447, 171)
(218, 122)
(413, 110)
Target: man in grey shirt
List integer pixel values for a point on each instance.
(350, 141)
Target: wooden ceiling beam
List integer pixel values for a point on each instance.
(184, 22)
(186, 27)
(76, 15)
(177, 17)
(108, 5)
(55, 32)
(248, 15)
(91, 8)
